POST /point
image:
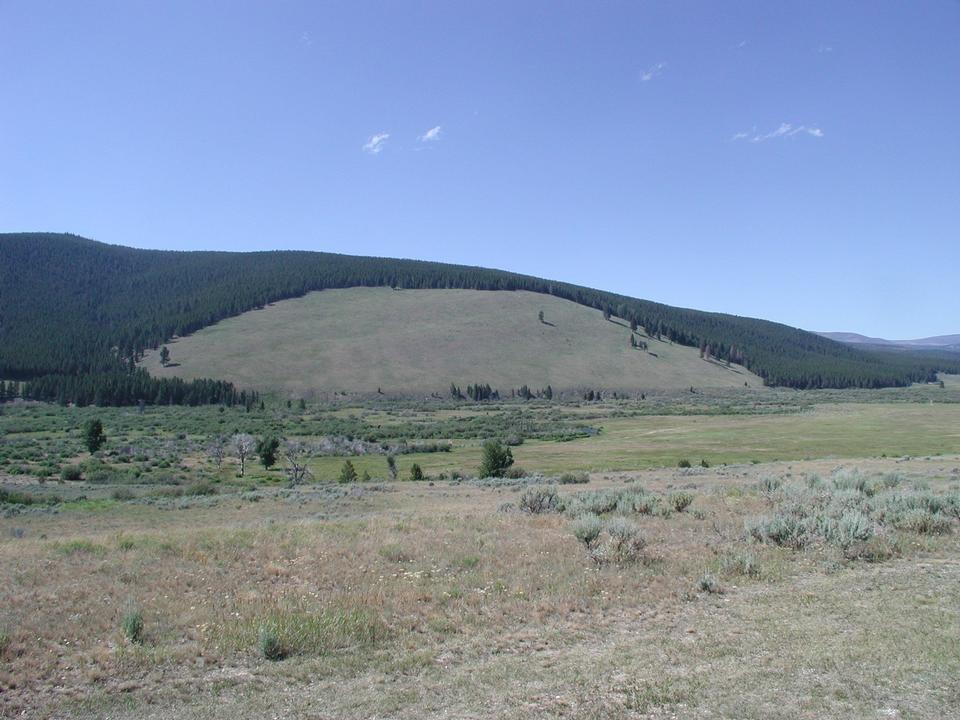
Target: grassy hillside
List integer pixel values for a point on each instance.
(80, 314)
(360, 339)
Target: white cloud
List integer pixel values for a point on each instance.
(376, 143)
(653, 72)
(824, 48)
(430, 135)
(784, 130)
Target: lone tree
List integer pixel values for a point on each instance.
(267, 447)
(495, 460)
(392, 466)
(218, 450)
(294, 454)
(540, 315)
(243, 445)
(416, 473)
(348, 473)
(164, 355)
(93, 436)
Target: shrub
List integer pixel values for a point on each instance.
(741, 563)
(495, 460)
(267, 447)
(622, 542)
(416, 473)
(769, 485)
(540, 499)
(587, 529)
(515, 473)
(922, 521)
(348, 473)
(680, 501)
(132, 625)
(596, 502)
(200, 488)
(122, 494)
(781, 529)
(709, 584)
(683, 463)
(579, 478)
(93, 435)
(849, 528)
(269, 645)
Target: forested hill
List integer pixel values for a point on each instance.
(75, 307)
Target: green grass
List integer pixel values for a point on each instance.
(410, 341)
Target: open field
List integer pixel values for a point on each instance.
(362, 339)
(809, 576)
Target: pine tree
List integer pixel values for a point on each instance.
(267, 448)
(348, 474)
(93, 435)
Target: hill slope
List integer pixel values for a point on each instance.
(361, 339)
(71, 307)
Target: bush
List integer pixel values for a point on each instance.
(922, 521)
(269, 645)
(541, 499)
(680, 501)
(515, 473)
(267, 447)
(683, 463)
(416, 473)
(71, 473)
(781, 529)
(587, 529)
(850, 528)
(769, 485)
(741, 563)
(622, 542)
(709, 584)
(495, 460)
(122, 494)
(348, 474)
(132, 625)
(93, 435)
(580, 478)
(200, 488)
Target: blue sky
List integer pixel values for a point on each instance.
(793, 161)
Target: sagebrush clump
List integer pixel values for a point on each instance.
(852, 511)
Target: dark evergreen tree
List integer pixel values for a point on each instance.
(267, 447)
(495, 459)
(93, 435)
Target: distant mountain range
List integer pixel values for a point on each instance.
(950, 343)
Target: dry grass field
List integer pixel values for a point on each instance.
(362, 339)
(822, 585)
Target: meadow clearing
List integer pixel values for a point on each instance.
(811, 569)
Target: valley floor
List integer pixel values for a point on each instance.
(809, 567)
(409, 600)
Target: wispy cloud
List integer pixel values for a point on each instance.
(784, 130)
(431, 135)
(742, 44)
(821, 48)
(376, 143)
(305, 39)
(654, 71)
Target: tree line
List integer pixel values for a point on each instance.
(73, 307)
